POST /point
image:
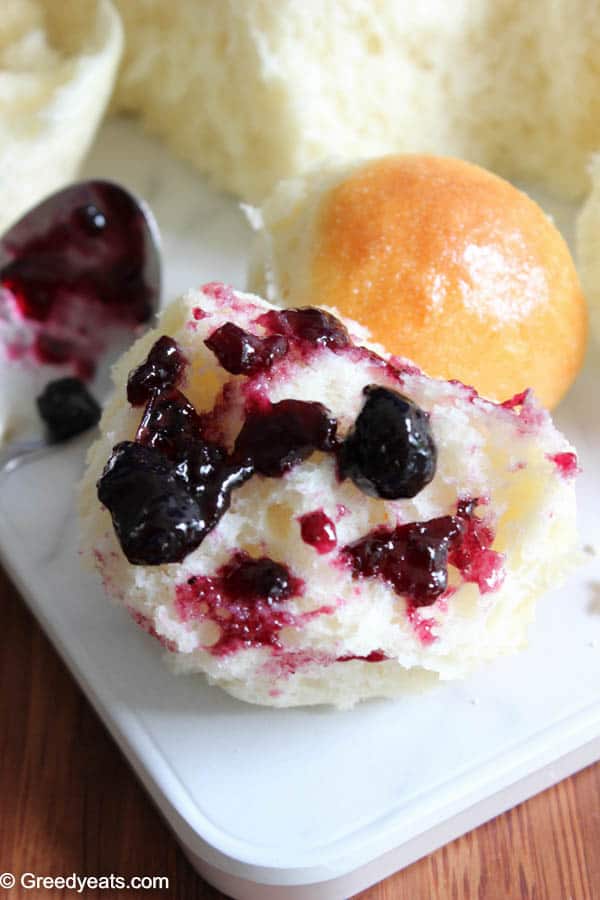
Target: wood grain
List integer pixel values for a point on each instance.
(69, 803)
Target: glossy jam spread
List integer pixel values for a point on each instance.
(278, 436)
(242, 353)
(318, 530)
(308, 326)
(163, 368)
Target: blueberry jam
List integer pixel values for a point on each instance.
(318, 530)
(163, 367)
(155, 516)
(390, 452)
(472, 554)
(278, 436)
(414, 558)
(242, 353)
(67, 408)
(168, 489)
(170, 424)
(202, 474)
(245, 599)
(372, 657)
(308, 325)
(76, 268)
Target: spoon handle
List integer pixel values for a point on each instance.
(14, 454)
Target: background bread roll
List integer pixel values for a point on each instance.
(446, 263)
(588, 247)
(58, 61)
(257, 90)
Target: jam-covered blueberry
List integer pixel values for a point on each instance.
(67, 408)
(278, 436)
(318, 530)
(163, 368)
(390, 452)
(170, 424)
(245, 578)
(155, 516)
(242, 353)
(308, 324)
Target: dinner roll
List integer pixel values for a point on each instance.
(374, 527)
(443, 261)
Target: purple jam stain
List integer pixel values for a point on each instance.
(308, 326)
(374, 656)
(318, 530)
(566, 463)
(219, 291)
(470, 393)
(279, 436)
(242, 353)
(422, 627)
(146, 625)
(245, 599)
(163, 368)
(518, 400)
(388, 367)
(404, 366)
(472, 555)
(414, 558)
(76, 270)
(524, 406)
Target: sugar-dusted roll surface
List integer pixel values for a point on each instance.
(305, 519)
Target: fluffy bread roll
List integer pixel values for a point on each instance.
(58, 62)
(258, 90)
(341, 623)
(588, 247)
(444, 262)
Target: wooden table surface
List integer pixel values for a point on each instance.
(69, 803)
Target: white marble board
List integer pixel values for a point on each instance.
(306, 803)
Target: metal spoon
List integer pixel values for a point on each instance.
(79, 274)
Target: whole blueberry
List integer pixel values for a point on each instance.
(390, 453)
(67, 408)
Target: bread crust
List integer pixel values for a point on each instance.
(454, 268)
